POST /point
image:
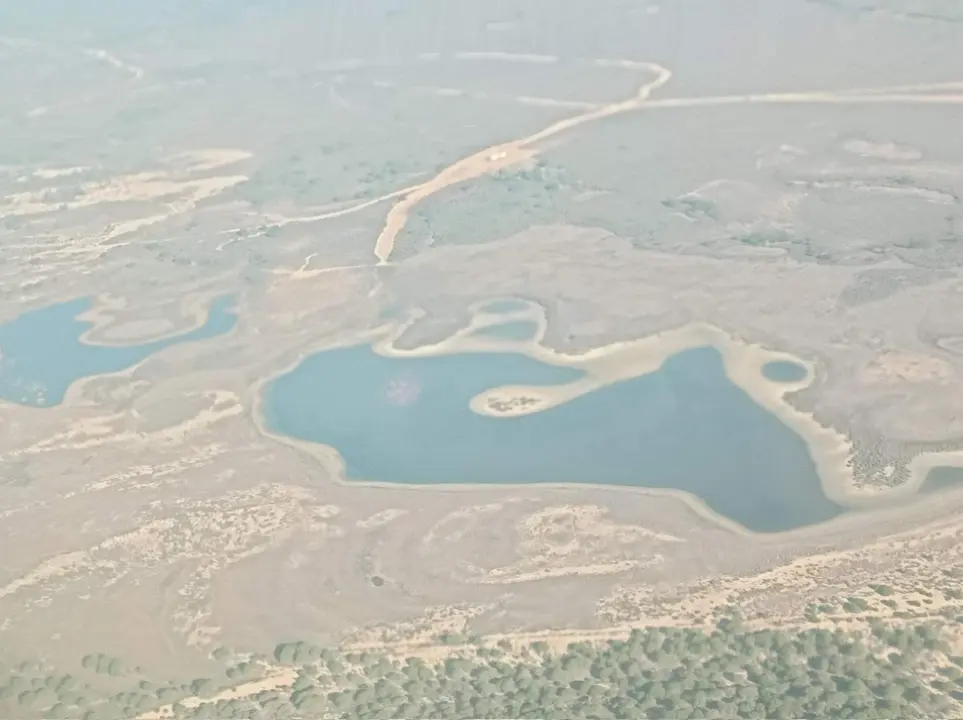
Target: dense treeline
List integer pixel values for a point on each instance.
(890, 672)
(656, 673)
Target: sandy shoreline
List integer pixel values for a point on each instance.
(330, 459)
(380, 340)
(506, 155)
(197, 308)
(743, 362)
(830, 449)
(99, 316)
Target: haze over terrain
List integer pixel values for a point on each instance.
(554, 358)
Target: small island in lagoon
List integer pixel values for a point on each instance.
(682, 427)
(42, 352)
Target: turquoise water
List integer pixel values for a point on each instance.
(512, 330)
(686, 426)
(942, 478)
(42, 354)
(784, 371)
(505, 306)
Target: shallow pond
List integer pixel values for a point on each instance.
(784, 371)
(942, 478)
(686, 426)
(42, 354)
(504, 306)
(511, 330)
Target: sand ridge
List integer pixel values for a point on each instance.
(504, 155)
(514, 152)
(605, 365)
(102, 318)
(831, 450)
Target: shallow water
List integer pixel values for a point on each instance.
(508, 305)
(42, 354)
(686, 426)
(942, 478)
(783, 371)
(512, 330)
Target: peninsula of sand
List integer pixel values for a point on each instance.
(830, 450)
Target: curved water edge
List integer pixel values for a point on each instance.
(334, 464)
(941, 479)
(503, 306)
(45, 360)
(101, 316)
(829, 450)
(743, 362)
(784, 371)
(596, 369)
(512, 330)
(686, 427)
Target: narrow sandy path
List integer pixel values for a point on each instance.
(497, 157)
(347, 210)
(504, 155)
(861, 98)
(108, 57)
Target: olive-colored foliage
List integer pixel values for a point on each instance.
(297, 653)
(855, 604)
(537, 195)
(203, 687)
(888, 672)
(655, 673)
(241, 671)
(103, 664)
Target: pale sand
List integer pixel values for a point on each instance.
(514, 152)
(508, 57)
(136, 72)
(100, 317)
(138, 331)
(504, 155)
(196, 307)
(381, 340)
(330, 459)
(499, 577)
(831, 450)
(54, 173)
(277, 679)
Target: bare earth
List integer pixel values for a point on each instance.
(151, 516)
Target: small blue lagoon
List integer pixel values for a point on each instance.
(506, 305)
(512, 330)
(942, 478)
(686, 426)
(784, 371)
(41, 353)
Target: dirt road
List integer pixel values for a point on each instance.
(498, 157)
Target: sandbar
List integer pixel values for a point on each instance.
(102, 318)
(831, 451)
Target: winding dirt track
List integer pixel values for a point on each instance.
(501, 156)
(864, 98)
(504, 155)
